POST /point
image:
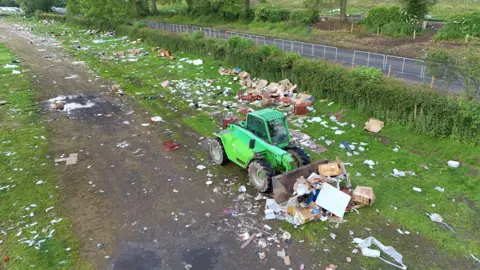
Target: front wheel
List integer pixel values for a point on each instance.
(300, 157)
(217, 152)
(260, 174)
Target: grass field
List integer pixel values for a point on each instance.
(441, 11)
(398, 206)
(33, 233)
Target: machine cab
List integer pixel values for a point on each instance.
(270, 126)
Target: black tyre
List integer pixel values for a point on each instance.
(260, 174)
(299, 155)
(217, 152)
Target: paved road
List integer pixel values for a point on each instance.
(410, 70)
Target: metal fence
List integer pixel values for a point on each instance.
(392, 65)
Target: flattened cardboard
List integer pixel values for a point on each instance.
(374, 125)
(333, 200)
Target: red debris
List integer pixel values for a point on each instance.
(300, 109)
(170, 146)
(286, 100)
(6, 259)
(244, 111)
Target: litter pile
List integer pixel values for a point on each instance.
(282, 95)
(322, 191)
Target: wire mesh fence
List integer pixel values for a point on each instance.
(388, 63)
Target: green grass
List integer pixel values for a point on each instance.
(142, 79)
(24, 135)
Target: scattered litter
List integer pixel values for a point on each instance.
(453, 163)
(71, 77)
(437, 218)
(197, 62)
(201, 167)
(10, 66)
(400, 231)
(170, 145)
(417, 189)
(70, 160)
(439, 189)
(475, 258)
(348, 259)
(333, 236)
(364, 245)
(123, 144)
(156, 119)
(242, 189)
(39, 182)
(16, 72)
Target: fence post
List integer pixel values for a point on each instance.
(336, 53)
(368, 60)
(313, 50)
(403, 65)
(433, 80)
(282, 44)
(384, 61)
(324, 52)
(302, 48)
(291, 46)
(389, 71)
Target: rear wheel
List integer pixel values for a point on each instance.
(217, 152)
(300, 157)
(260, 174)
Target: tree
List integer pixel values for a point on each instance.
(418, 8)
(8, 3)
(343, 10)
(154, 7)
(31, 6)
(462, 66)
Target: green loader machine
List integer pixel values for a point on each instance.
(261, 144)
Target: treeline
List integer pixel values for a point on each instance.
(419, 108)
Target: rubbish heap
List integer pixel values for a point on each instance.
(282, 95)
(321, 192)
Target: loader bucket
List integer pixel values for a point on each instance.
(283, 183)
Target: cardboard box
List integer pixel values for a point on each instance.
(333, 200)
(329, 169)
(374, 125)
(363, 195)
(304, 216)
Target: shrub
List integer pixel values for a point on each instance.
(391, 21)
(304, 17)
(139, 25)
(460, 26)
(416, 107)
(198, 35)
(271, 15)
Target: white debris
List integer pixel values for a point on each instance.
(16, 72)
(157, 119)
(71, 77)
(242, 189)
(197, 62)
(123, 144)
(369, 162)
(453, 163)
(10, 66)
(364, 245)
(39, 182)
(201, 167)
(437, 188)
(400, 231)
(417, 189)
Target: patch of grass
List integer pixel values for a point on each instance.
(458, 205)
(34, 234)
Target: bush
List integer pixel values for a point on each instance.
(416, 107)
(305, 17)
(271, 15)
(460, 26)
(391, 21)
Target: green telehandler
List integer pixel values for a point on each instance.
(261, 144)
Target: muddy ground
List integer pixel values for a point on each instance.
(150, 209)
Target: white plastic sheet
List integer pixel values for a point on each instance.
(364, 245)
